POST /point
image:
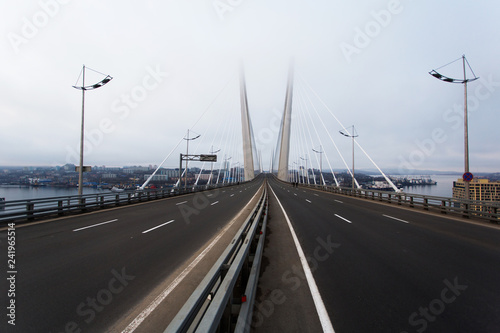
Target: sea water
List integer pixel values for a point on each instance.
(16, 192)
(443, 188)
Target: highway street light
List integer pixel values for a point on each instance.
(212, 151)
(320, 152)
(187, 155)
(307, 174)
(83, 88)
(226, 160)
(236, 173)
(353, 135)
(296, 172)
(463, 81)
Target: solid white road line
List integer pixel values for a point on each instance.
(340, 217)
(158, 226)
(324, 319)
(395, 218)
(95, 225)
(157, 301)
(308, 201)
(338, 201)
(214, 203)
(180, 203)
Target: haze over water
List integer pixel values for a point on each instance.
(443, 188)
(16, 192)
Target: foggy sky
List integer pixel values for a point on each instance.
(367, 60)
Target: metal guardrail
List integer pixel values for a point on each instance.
(28, 210)
(466, 208)
(223, 301)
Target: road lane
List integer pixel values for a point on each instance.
(91, 278)
(395, 218)
(389, 276)
(95, 225)
(158, 226)
(321, 311)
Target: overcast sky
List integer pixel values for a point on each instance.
(173, 60)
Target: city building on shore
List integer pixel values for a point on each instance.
(479, 189)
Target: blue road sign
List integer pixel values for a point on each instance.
(467, 177)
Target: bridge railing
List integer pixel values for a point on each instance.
(488, 210)
(28, 210)
(224, 299)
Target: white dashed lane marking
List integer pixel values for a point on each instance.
(158, 226)
(95, 225)
(395, 218)
(343, 218)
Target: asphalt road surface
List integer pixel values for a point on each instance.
(377, 267)
(380, 268)
(85, 273)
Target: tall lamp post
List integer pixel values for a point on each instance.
(320, 152)
(236, 172)
(467, 177)
(307, 173)
(296, 178)
(353, 135)
(212, 151)
(226, 167)
(187, 157)
(83, 88)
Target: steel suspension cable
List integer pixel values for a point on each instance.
(306, 125)
(331, 139)
(389, 181)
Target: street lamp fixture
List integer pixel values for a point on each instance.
(226, 167)
(320, 152)
(212, 151)
(187, 154)
(307, 172)
(467, 175)
(83, 88)
(296, 172)
(351, 135)
(236, 173)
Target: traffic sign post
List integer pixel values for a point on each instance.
(202, 158)
(467, 177)
(208, 158)
(86, 168)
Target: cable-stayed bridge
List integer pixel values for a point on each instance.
(334, 259)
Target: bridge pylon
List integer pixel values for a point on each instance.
(246, 130)
(286, 122)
